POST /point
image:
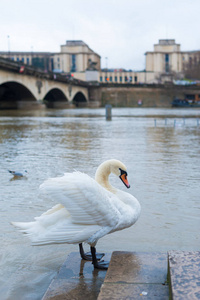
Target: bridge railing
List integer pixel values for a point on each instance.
(23, 69)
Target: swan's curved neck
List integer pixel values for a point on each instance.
(102, 175)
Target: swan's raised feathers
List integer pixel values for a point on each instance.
(86, 211)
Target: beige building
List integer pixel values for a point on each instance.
(165, 63)
(75, 57)
(122, 76)
(168, 62)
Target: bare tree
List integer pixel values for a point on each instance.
(192, 67)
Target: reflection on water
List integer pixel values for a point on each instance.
(81, 280)
(163, 166)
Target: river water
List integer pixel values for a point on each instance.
(161, 148)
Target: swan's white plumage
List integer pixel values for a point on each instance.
(86, 211)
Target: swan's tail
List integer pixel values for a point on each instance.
(23, 226)
(55, 227)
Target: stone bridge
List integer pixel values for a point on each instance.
(27, 88)
(24, 87)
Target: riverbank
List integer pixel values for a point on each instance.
(160, 96)
(131, 275)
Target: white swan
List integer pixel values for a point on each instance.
(88, 209)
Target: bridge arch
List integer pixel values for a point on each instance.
(13, 95)
(79, 99)
(55, 98)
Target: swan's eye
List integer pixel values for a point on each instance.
(123, 172)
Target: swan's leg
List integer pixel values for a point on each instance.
(84, 255)
(98, 264)
(88, 255)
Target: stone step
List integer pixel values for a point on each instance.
(133, 275)
(130, 275)
(76, 280)
(184, 275)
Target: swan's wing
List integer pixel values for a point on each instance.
(87, 202)
(55, 226)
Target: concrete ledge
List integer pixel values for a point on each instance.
(184, 275)
(29, 105)
(76, 279)
(94, 104)
(131, 275)
(62, 105)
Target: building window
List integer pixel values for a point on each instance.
(52, 64)
(126, 78)
(130, 79)
(27, 60)
(22, 59)
(17, 58)
(120, 78)
(167, 63)
(115, 78)
(135, 78)
(101, 78)
(73, 65)
(190, 97)
(110, 78)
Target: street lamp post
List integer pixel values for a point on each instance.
(31, 55)
(8, 46)
(106, 68)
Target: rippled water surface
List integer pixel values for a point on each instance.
(161, 149)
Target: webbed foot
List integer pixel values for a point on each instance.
(88, 255)
(103, 265)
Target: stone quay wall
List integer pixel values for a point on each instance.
(141, 95)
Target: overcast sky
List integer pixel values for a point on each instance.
(121, 30)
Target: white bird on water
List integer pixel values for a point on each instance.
(17, 173)
(88, 209)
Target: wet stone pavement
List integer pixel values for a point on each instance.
(76, 279)
(184, 272)
(136, 276)
(131, 275)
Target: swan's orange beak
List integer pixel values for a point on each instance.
(124, 179)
